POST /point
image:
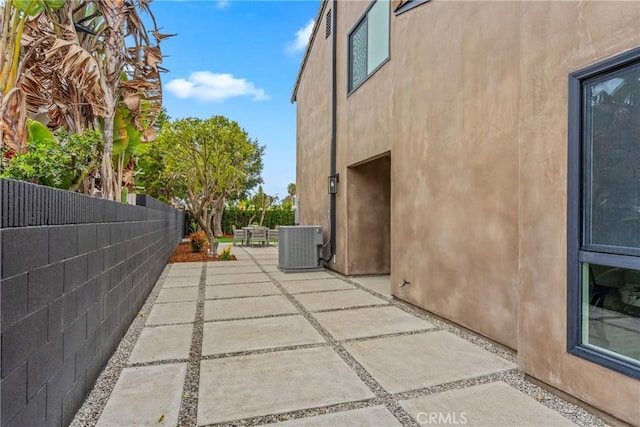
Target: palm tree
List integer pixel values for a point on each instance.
(14, 16)
(140, 61)
(82, 64)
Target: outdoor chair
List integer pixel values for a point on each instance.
(238, 234)
(274, 236)
(258, 235)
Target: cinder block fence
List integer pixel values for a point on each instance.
(75, 270)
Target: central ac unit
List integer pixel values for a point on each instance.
(299, 248)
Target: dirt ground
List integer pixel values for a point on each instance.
(183, 254)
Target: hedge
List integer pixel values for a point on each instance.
(241, 217)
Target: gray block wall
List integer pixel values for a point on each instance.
(74, 271)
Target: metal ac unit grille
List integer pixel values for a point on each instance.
(299, 247)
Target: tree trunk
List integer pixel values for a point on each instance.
(264, 209)
(13, 121)
(203, 216)
(113, 13)
(205, 223)
(218, 209)
(213, 243)
(107, 177)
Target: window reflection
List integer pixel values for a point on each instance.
(612, 320)
(613, 160)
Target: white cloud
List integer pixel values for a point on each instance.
(216, 87)
(223, 4)
(302, 38)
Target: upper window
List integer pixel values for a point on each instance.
(369, 43)
(604, 213)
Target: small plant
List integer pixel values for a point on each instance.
(225, 255)
(193, 226)
(198, 241)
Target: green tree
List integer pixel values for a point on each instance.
(14, 16)
(88, 64)
(150, 174)
(291, 191)
(259, 204)
(205, 161)
(252, 178)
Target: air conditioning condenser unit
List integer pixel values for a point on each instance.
(299, 248)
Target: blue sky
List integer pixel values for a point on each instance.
(238, 59)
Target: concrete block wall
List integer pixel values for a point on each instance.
(74, 271)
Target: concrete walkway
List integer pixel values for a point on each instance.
(242, 343)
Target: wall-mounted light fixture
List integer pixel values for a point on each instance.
(333, 183)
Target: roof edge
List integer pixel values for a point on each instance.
(307, 51)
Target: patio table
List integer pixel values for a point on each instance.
(249, 231)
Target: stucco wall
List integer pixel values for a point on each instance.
(454, 180)
(455, 162)
(313, 139)
(557, 39)
(369, 206)
(363, 133)
(472, 106)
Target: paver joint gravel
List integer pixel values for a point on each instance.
(241, 343)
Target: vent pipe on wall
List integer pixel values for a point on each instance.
(334, 100)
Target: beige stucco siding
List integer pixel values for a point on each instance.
(470, 117)
(313, 140)
(557, 39)
(369, 219)
(455, 163)
(363, 133)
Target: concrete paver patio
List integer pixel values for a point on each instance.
(162, 343)
(178, 294)
(372, 416)
(241, 290)
(249, 386)
(243, 343)
(477, 404)
(418, 361)
(238, 308)
(183, 281)
(143, 395)
(255, 334)
(337, 299)
(369, 322)
(315, 285)
(171, 313)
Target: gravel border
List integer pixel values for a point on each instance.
(97, 399)
(89, 412)
(189, 405)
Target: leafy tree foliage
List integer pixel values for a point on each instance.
(205, 161)
(59, 159)
(260, 202)
(87, 64)
(291, 191)
(150, 175)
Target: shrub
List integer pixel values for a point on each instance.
(60, 159)
(225, 255)
(198, 241)
(240, 218)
